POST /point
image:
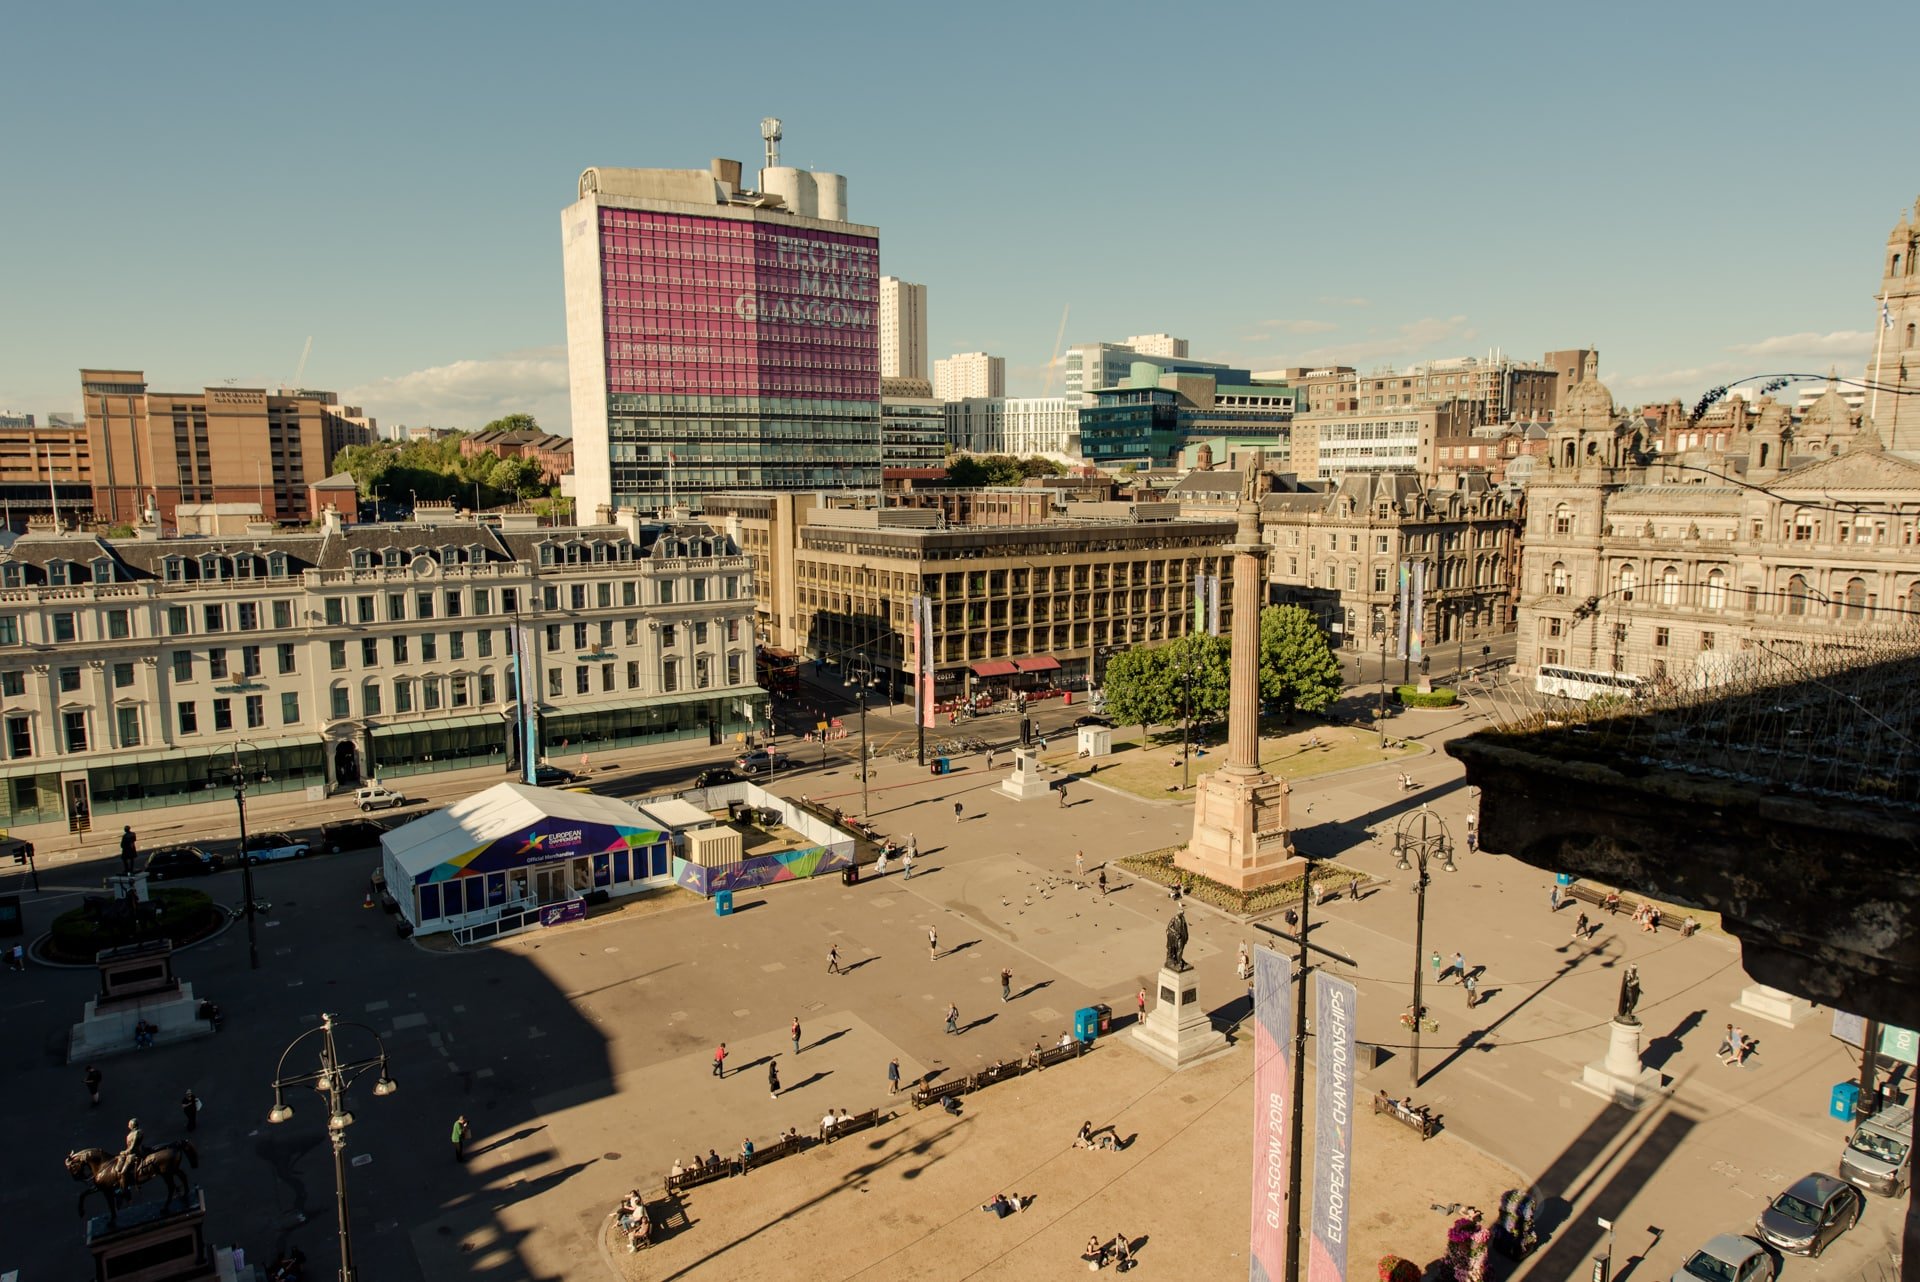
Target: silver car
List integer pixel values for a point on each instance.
(1813, 1211)
(1728, 1258)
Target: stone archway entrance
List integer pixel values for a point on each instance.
(346, 764)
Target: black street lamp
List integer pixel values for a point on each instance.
(1186, 726)
(331, 1080)
(1432, 839)
(239, 781)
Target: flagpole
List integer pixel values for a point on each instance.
(1880, 345)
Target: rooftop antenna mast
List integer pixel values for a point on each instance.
(770, 135)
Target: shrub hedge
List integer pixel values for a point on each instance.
(1439, 697)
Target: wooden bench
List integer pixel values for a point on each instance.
(702, 1175)
(1415, 1119)
(774, 1152)
(1061, 1054)
(858, 1122)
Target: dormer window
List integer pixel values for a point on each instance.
(103, 569)
(243, 566)
(277, 565)
(599, 552)
(362, 559)
(450, 555)
(476, 555)
(11, 576)
(59, 573)
(392, 558)
(546, 554)
(173, 569)
(210, 568)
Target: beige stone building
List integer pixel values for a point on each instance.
(1893, 397)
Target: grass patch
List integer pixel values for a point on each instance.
(184, 916)
(1158, 867)
(1299, 752)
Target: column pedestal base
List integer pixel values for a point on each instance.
(1240, 835)
(1619, 1077)
(1176, 1031)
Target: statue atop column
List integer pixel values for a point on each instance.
(1177, 941)
(1629, 997)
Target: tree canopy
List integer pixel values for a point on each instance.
(436, 469)
(1147, 685)
(972, 470)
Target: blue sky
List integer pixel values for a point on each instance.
(1701, 190)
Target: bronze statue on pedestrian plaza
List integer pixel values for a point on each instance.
(1177, 941)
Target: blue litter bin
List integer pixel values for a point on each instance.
(1086, 1023)
(1563, 878)
(941, 765)
(723, 903)
(1846, 1098)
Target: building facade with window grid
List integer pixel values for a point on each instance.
(131, 668)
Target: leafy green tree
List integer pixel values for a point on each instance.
(513, 423)
(520, 478)
(1297, 666)
(966, 471)
(1209, 660)
(1139, 688)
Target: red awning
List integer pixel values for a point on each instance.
(1039, 663)
(996, 668)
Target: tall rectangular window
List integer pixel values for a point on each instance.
(486, 688)
(64, 631)
(183, 665)
(187, 717)
(403, 696)
(578, 596)
(370, 699)
(396, 606)
(119, 625)
(250, 661)
(126, 724)
(283, 654)
(429, 648)
(339, 702)
(290, 708)
(336, 655)
(363, 609)
(19, 736)
(369, 652)
(603, 595)
(176, 620)
(122, 675)
(74, 726)
(456, 645)
(222, 715)
(282, 615)
(461, 691)
(430, 694)
(247, 615)
(9, 629)
(423, 605)
(484, 643)
(582, 679)
(483, 600)
(213, 618)
(256, 711)
(336, 611)
(400, 650)
(452, 602)
(579, 636)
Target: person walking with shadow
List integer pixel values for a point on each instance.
(460, 1133)
(190, 1109)
(92, 1079)
(796, 1034)
(773, 1080)
(720, 1061)
(833, 960)
(128, 845)
(953, 1018)
(933, 944)
(1006, 984)
(893, 1076)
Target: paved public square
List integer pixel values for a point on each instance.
(582, 1058)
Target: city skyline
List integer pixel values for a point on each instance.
(1439, 213)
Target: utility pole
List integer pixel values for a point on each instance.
(1296, 1115)
(1380, 718)
(866, 811)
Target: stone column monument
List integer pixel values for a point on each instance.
(1240, 830)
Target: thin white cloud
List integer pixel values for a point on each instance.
(1852, 344)
(1334, 301)
(470, 393)
(1845, 351)
(1297, 326)
(1412, 341)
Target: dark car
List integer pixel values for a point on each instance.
(549, 776)
(1814, 1210)
(170, 862)
(351, 834)
(1093, 719)
(716, 776)
(760, 761)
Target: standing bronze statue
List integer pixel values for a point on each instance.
(1629, 997)
(1177, 941)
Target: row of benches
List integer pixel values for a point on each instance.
(736, 1165)
(934, 1092)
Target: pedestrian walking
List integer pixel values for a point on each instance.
(1063, 796)
(1079, 863)
(893, 1077)
(953, 1018)
(989, 758)
(720, 1061)
(1553, 897)
(1103, 882)
(128, 845)
(796, 1034)
(1140, 1003)
(906, 866)
(1460, 968)
(1580, 925)
(460, 1133)
(1472, 986)
(833, 959)
(956, 812)
(92, 1079)
(773, 1080)
(1244, 967)
(933, 944)
(1006, 984)
(190, 1109)
(1473, 841)
(1434, 961)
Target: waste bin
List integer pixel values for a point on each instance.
(1563, 878)
(1106, 1016)
(941, 765)
(1846, 1098)
(1086, 1023)
(723, 903)
(850, 875)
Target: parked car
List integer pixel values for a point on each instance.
(1728, 1258)
(170, 862)
(352, 834)
(1093, 719)
(265, 847)
(717, 775)
(1814, 1210)
(1879, 1154)
(550, 776)
(377, 796)
(759, 761)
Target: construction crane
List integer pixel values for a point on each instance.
(299, 371)
(1054, 361)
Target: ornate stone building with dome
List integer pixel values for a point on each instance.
(1791, 538)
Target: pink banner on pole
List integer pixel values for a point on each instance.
(923, 659)
(1272, 1112)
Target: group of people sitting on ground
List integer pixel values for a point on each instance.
(1120, 1251)
(635, 1222)
(1105, 1139)
(1004, 1205)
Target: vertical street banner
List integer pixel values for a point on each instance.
(526, 686)
(1272, 1113)
(1405, 575)
(1213, 605)
(923, 659)
(1332, 1129)
(1199, 602)
(1417, 620)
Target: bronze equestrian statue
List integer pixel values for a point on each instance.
(116, 1175)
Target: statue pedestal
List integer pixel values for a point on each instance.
(1027, 782)
(1619, 1077)
(136, 982)
(1176, 1031)
(1757, 1001)
(148, 1242)
(1240, 836)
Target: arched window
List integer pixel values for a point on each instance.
(1629, 581)
(1557, 579)
(1797, 595)
(1716, 590)
(1670, 585)
(1856, 600)
(1562, 519)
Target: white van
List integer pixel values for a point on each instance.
(1879, 1157)
(377, 796)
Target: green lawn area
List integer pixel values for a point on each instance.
(1301, 752)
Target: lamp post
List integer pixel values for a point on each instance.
(1186, 726)
(331, 1080)
(1431, 838)
(239, 781)
(865, 807)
